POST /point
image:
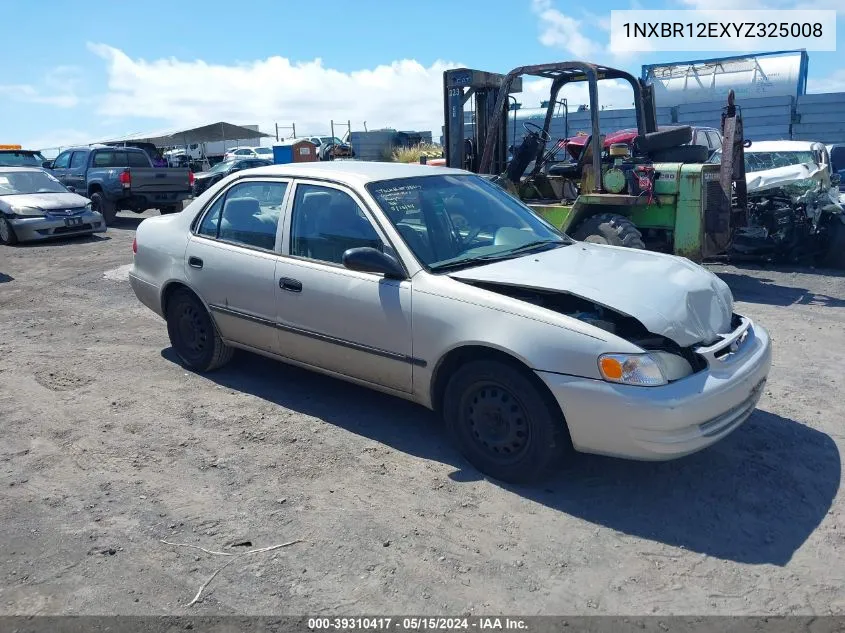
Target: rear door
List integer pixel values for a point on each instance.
(231, 258)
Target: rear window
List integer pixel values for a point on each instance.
(15, 158)
(120, 158)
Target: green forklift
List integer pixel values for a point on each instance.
(657, 192)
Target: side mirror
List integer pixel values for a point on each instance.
(370, 260)
(47, 164)
(835, 179)
(71, 189)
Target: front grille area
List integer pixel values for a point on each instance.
(66, 229)
(717, 208)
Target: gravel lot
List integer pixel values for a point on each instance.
(110, 446)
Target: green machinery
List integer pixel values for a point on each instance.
(656, 192)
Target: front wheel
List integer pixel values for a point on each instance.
(502, 423)
(7, 232)
(609, 228)
(193, 335)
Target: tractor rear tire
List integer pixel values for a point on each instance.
(681, 154)
(664, 139)
(610, 228)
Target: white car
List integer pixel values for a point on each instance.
(437, 286)
(249, 152)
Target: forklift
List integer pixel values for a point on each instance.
(657, 193)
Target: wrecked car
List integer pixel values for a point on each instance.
(437, 286)
(795, 213)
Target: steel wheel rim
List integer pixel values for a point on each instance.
(192, 332)
(496, 422)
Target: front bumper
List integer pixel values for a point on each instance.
(44, 228)
(661, 423)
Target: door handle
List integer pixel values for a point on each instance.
(293, 285)
(194, 262)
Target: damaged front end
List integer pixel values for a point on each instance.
(790, 210)
(675, 361)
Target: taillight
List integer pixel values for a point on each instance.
(191, 178)
(134, 245)
(125, 179)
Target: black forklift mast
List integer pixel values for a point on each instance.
(459, 85)
(732, 169)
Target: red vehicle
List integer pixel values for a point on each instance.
(709, 137)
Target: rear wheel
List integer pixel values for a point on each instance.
(193, 335)
(7, 232)
(664, 139)
(609, 228)
(502, 423)
(105, 207)
(169, 209)
(834, 255)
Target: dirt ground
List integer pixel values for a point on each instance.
(109, 447)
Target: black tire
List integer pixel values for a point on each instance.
(664, 139)
(193, 334)
(681, 154)
(7, 232)
(609, 228)
(502, 423)
(170, 209)
(106, 208)
(834, 255)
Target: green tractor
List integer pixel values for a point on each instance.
(657, 192)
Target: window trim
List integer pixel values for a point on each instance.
(369, 214)
(221, 195)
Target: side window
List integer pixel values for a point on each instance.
(715, 140)
(248, 213)
(105, 158)
(78, 160)
(326, 222)
(62, 161)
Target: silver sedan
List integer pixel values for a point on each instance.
(435, 285)
(34, 205)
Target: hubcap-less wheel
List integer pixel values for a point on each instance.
(193, 334)
(497, 422)
(5, 230)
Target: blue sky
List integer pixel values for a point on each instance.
(102, 69)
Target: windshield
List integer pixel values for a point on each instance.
(331, 140)
(23, 182)
(761, 161)
(221, 167)
(455, 221)
(21, 159)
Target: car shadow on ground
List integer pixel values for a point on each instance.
(62, 241)
(126, 222)
(763, 290)
(755, 497)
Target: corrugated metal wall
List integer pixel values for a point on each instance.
(813, 117)
(820, 117)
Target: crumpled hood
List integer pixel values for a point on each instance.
(669, 295)
(802, 174)
(47, 201)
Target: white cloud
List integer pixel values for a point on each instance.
(51, 141)
(404, 94)
(58, 88)
(558, 30)
(798, 5)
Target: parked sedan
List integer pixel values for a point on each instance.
(436, 286)
(34, 205)
(204, 179)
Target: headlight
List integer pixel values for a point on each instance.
(631, 369)
(27, 212)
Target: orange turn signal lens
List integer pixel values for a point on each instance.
(611, 368)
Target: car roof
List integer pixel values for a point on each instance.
(354, 172)
(781, 146)
(25, 168)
